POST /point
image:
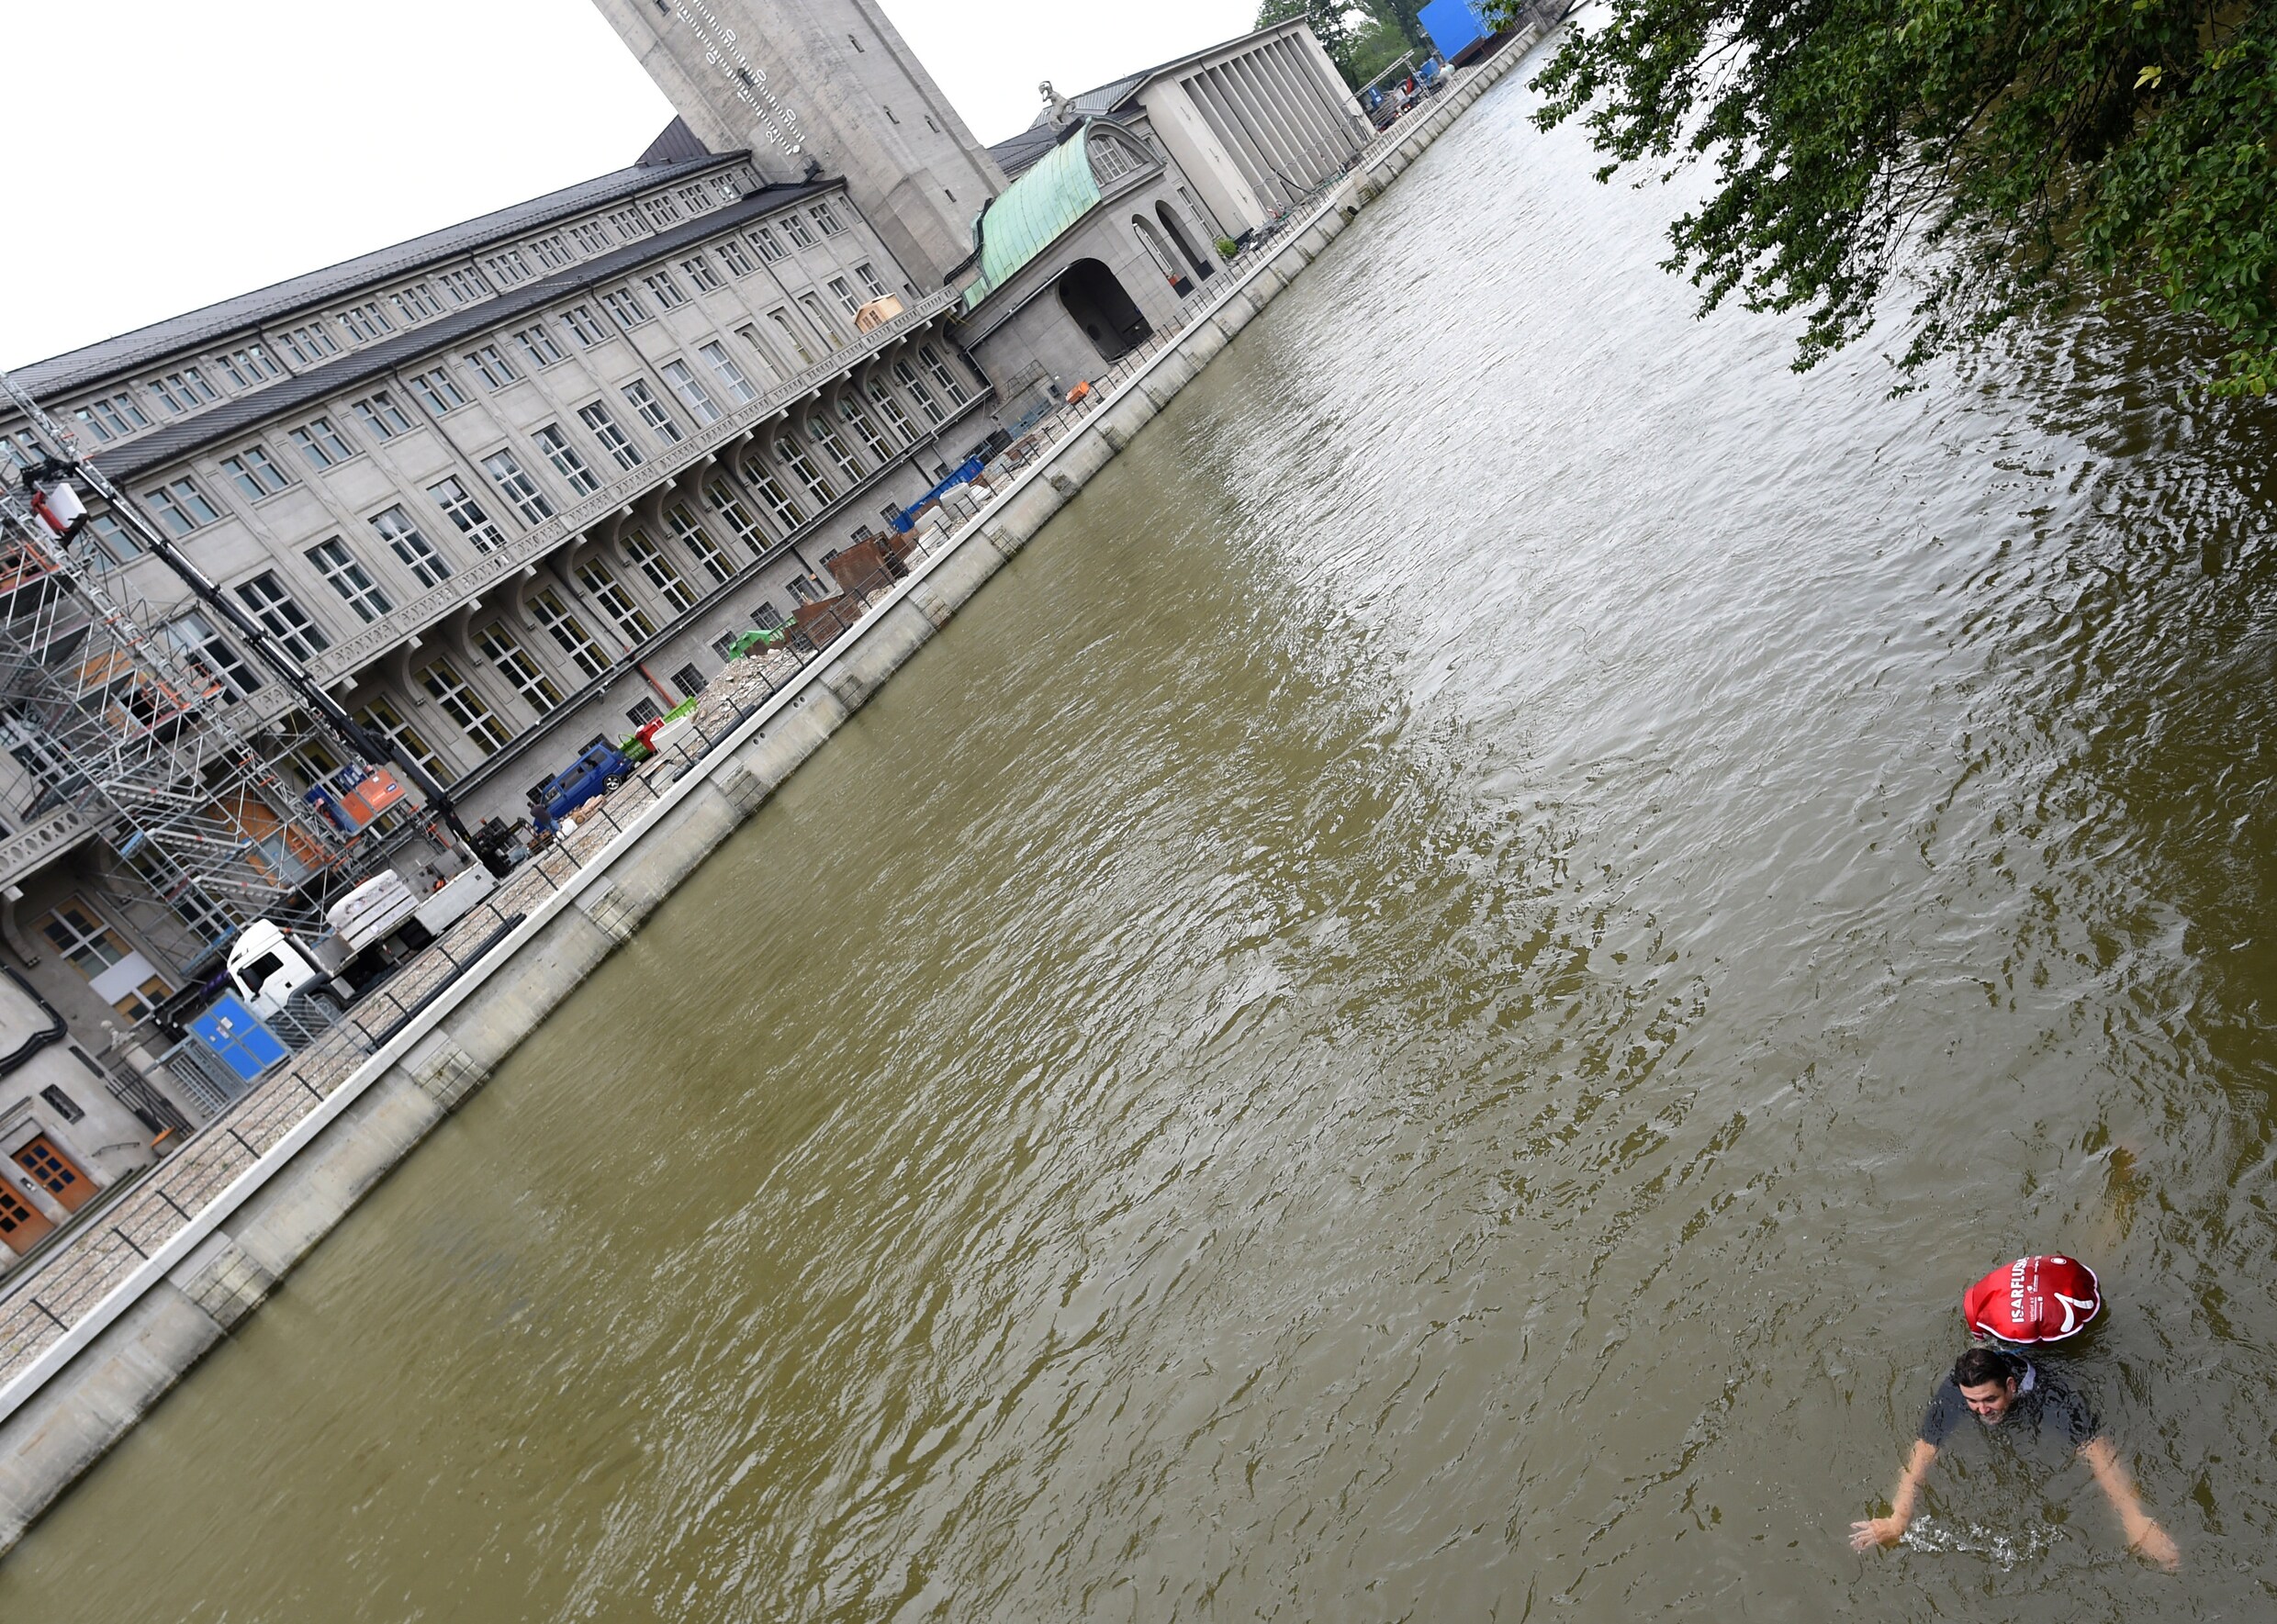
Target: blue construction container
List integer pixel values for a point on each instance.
(1452, 24)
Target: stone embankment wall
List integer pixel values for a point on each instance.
(87, 1388)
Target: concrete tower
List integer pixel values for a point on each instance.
(827, 83)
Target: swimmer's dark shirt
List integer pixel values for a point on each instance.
(2047, 1408)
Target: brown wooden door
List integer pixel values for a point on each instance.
(21, 1223)
(57, 1175)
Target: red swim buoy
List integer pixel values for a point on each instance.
(2036, 1299)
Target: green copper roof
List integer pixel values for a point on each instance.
(1051, 194)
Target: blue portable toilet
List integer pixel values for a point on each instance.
(1452, 24)
(236, 1037)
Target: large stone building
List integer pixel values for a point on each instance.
(517, 484)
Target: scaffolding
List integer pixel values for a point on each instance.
(165, 743)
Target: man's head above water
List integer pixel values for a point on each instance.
(1990, 1381)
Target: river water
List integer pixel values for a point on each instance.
(1421, 1012)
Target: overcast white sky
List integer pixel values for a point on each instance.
(215, 146)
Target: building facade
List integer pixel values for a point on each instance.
(517, 485)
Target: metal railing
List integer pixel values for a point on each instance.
(50, 1293)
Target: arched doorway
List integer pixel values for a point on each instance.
(1095, 302)
(1201, 268)
(1159, 252)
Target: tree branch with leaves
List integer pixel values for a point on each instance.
(2006, 157)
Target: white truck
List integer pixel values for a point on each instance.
(374, 929)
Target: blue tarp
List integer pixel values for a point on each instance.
(1452, 24)
(236, 1038)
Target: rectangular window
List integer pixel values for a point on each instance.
(700, 548)
(918, 391)
(696, 200)
(739, 388)
(254, 474)
(414, 551)
(700, 271)
(512, 661)
(346, 577)
(692, 390)
(507, 268)
(942, 375)
(183, 505)
(381, 717)
(891, 410)
(598, 578)
(569, 631)
(466, 708)
(688, 681)
(766, 617)
(737, 517)
(828, 220)
(583, 324)
(641, 714)
(591, 237)
(552, 251)
(285, 619)
(612, 438)
(193, 637)
(416, 303)
(517, 487)
(652, 412)
(311, 344)
(662, 573)
(844, 290)
(368, 321)
(795, 228)
(763, 239)
(494, 369)
(629, 224)
(736, 257)
(868, 273)
(250, 367)
(539, 345)
(460, 508)
(566, 461)
(662, 210)
(465, 285)
(114, 418)
(380, 412)
(665, 291)
(436, 392)
(113, 539)
(321, 443)
(624, 308)
(184, 391)
(791, 335)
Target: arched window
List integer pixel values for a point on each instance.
(1201, 268)
(833, 448)
(1159, 252)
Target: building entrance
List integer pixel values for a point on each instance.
(1097, 304)
(56, 1172)
(21, 1223)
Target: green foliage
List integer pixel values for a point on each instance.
(2044, 150)
(1361, 50)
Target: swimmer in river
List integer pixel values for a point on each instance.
(2007, 1390)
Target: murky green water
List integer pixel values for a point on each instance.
(1421, 1014)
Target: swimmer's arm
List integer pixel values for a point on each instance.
(1888, 1531)
(2142, 1533)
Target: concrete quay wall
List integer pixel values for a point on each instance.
(83, 1393)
